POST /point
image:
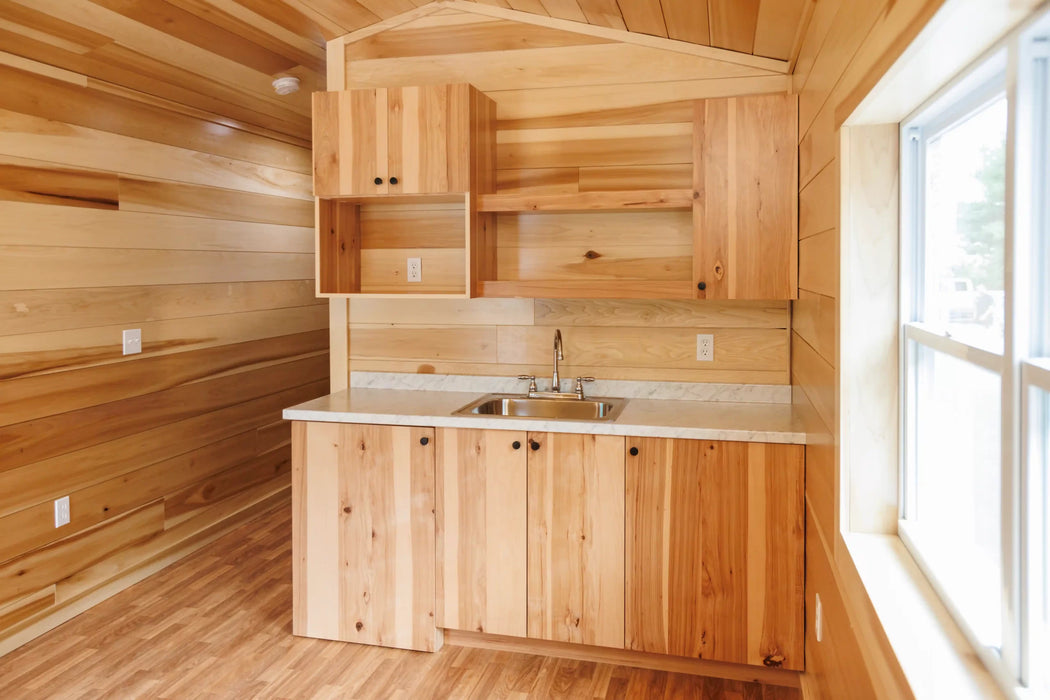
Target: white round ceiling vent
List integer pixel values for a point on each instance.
(286, 85)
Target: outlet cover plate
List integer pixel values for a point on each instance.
(132, 341)
(415, 270)
(62, 511)
(705, 347)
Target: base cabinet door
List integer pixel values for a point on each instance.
(714, 554)
(576, 538)
(481, 484)
(363, 534)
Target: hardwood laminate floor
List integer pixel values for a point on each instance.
(218, 625)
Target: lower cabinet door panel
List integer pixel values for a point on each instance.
(481, 481)
(714, 555)
(363, 534)
(576, 538)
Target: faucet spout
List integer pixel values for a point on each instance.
(558, 355)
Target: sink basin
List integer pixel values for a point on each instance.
(516, 406)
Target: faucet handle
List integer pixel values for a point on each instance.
(531, 379)
(579, 385)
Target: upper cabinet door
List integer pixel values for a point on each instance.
(745, 221)
(408, 140)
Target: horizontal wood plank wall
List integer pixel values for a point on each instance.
(116, 213)
(846, 48)
(576, 114)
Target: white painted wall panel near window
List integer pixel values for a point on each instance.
(974, 287)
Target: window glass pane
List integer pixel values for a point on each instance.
(1038, 623)
(964, 227)
(954, 518)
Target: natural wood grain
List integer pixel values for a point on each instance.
(745, 215)
(212, 203)
(481, 530)
(149, 640)
(629, 200)
(576, 531)
(364, 567)
(714, 550)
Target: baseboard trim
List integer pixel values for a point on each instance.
(624, 657)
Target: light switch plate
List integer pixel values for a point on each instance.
(132, 341)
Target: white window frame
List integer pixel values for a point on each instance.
(1018, 66)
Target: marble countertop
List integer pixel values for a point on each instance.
(735, 421)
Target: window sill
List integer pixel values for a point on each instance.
(934, 656)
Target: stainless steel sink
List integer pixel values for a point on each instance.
(568, 408)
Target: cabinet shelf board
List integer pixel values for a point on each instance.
(586, 289)
(587, 201)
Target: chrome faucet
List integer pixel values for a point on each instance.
(558, 355)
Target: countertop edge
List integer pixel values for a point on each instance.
(559, 426)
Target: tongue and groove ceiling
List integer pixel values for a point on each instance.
(220, 56)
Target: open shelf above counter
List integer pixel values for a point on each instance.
(587, 201)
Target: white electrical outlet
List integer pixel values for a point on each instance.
(133, 341)
(705, 347)
(62, 511)
(415, 270)
(818, 622)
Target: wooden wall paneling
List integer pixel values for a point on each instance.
(266, 468)
(427, 39)
(27, 606)
(71, 188)
(818, 202)
(593, 64)
(36, 570)
(363, 557)
(161, 197)
(32, 137)
(49, 267)
(728, 314)
(38, 396)
(602, 13)
(535, 103)
(818, 268)
(73, 469)
(645, 16)
(59, 101)
(28, 223)
(44, 310)
(482, 530)
(576, 538)
(715, 551)
(598, 146)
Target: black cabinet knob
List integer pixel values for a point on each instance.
(378, 181)
(424, 441)
(393, 181)
(702, 286)
(516, 445)
(534, 445)
(634, 451)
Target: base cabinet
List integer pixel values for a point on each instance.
(481, 530)
(363, 560)
(715, 550)
(576, 530)
(681, 547)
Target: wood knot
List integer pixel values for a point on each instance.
(592, 255)
(348, 510)
(720, 271)
(361, 446)
(696, 195)
(373, 534)
(359, 626)
(773, 661)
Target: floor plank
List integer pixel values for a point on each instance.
(218, 625)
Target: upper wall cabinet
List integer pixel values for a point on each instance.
(390, 141)
(745, 213)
